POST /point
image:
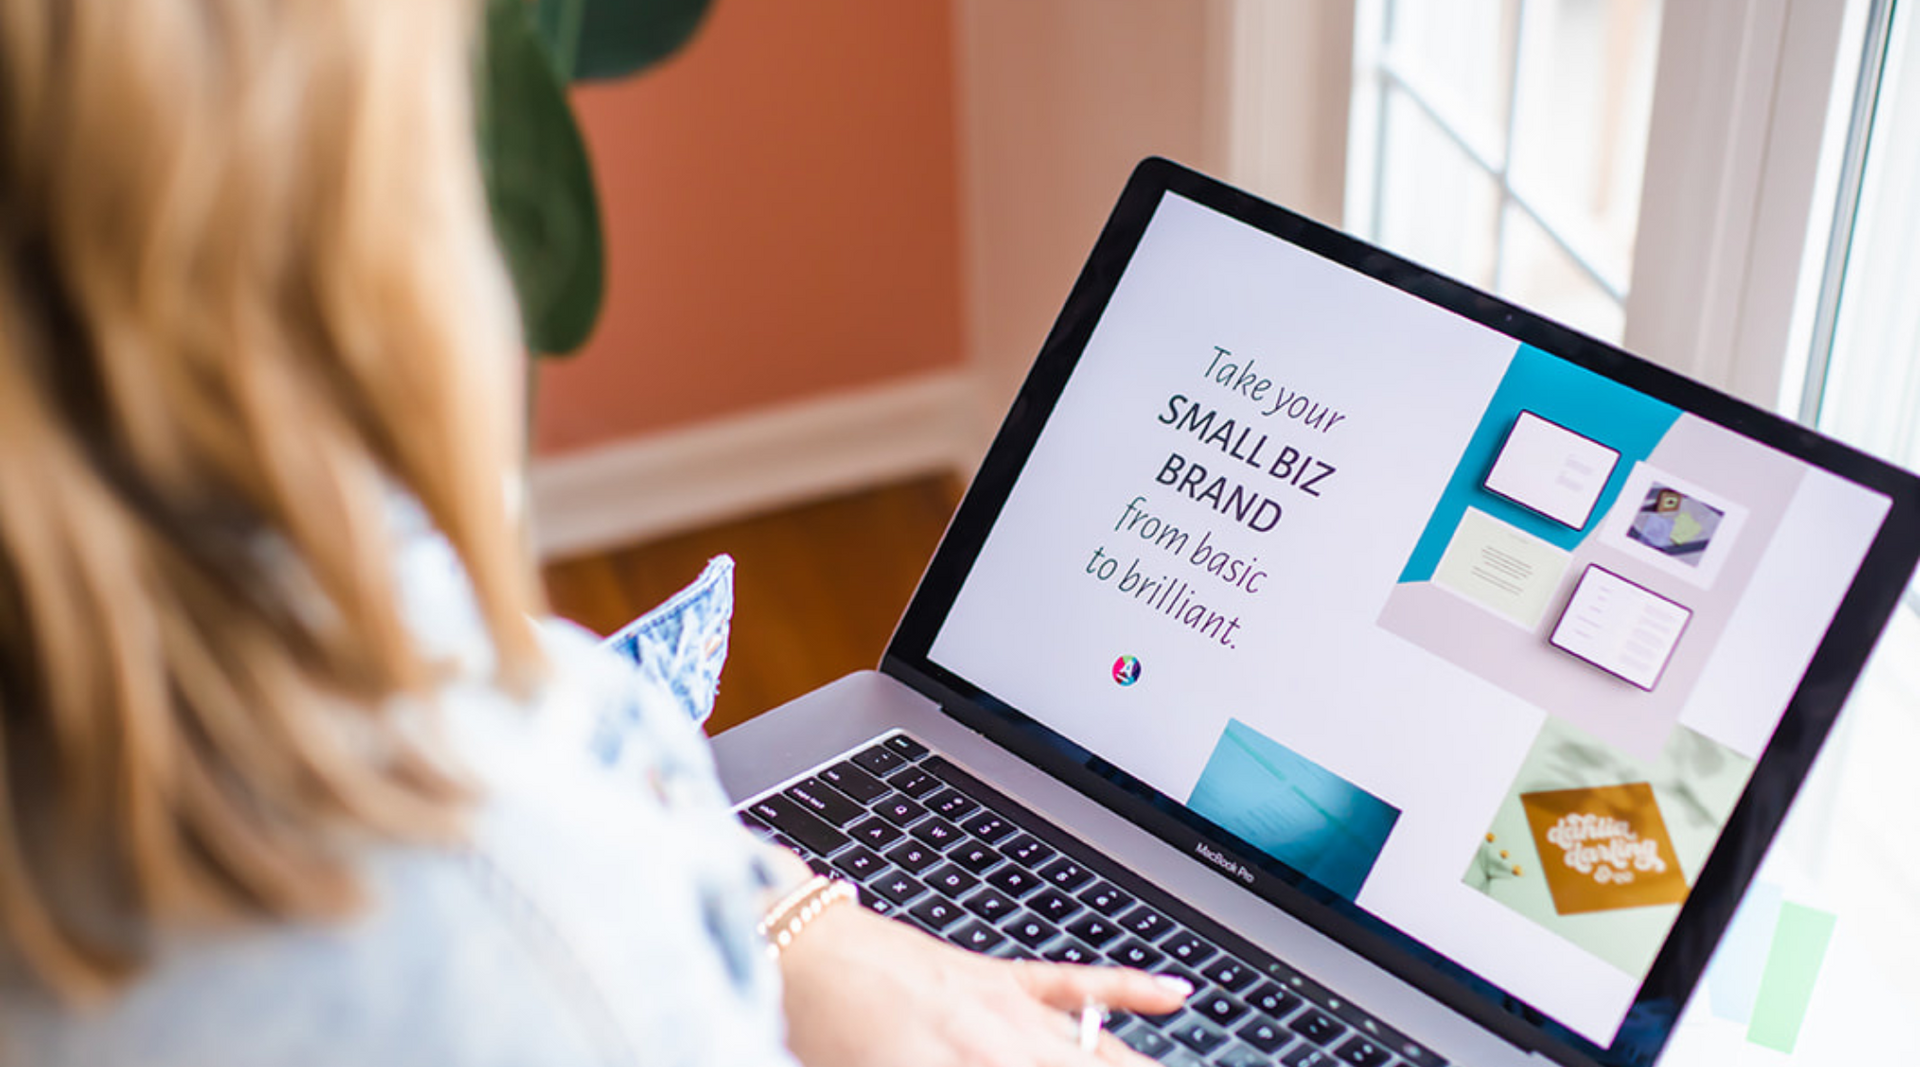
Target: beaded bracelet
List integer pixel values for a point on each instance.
(785, 920)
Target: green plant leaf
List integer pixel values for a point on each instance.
(559, 22)
(540, 189)
(619, 37)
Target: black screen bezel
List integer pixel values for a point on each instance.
(1842, 653)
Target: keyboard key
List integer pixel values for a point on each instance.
(988, 827)
(1305, 1055)
(906, 746)
(1094, 930)
(898, 810)
(1264, 1034)
(952, 881)
(879, 760)
(1218, 1007)
(1369, 1027)
(1134, 953)
(1011, 950)
(975, 856)
(1362, 1053)
(1229, 973)
(854, 782)
(1013, 880)
(912, 855)
(784, 814)
(1071, 951)
(1147, 1042)
(1416, 1054)
(1272, 1000)
(1054, 906)
(1066, 874)
(937, 912)
(1105, 898)
(914, 782)
(825, 801)
(937, 832)
(990, 904)
(1187, 948)
(1241, 1056)
(977, 936)
(1317, 1026)
(1143, 922)
(952, 804)
(896, 886)
(1197, 1035)
(1028, 850)
(747, 820)
(859, 864)
(1119, 1021)
(1030, 930)
(874, 832)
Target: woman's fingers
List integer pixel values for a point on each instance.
(1062, 1048)
(1068, 987)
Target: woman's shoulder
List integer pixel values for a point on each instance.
(599, 910)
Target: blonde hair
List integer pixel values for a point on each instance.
(247, 290)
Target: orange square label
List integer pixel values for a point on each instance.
(1604, 847)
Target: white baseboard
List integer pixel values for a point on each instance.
(667, 483)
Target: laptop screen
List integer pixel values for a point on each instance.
(1464, 624)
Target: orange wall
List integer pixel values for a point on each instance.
(782, 212)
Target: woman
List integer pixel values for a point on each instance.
(286, 773)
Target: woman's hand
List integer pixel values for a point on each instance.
(865, 991)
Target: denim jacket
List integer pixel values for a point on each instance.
(601, 911)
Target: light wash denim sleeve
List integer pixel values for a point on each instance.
(600, 913)
(682, 644)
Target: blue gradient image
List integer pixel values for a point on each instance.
(1293, 809)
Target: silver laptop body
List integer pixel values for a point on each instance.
(1463, 662)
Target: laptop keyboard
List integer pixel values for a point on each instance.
(931, 846)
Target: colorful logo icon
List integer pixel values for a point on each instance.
(1126, 670)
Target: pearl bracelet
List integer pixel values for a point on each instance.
(785, 920)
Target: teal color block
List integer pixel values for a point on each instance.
(1629, 422)
(1293, 809)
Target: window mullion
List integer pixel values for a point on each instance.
(1609, 285)
(1853, 164)
(1411, 90)
(1503, 175)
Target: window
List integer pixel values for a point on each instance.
(1863, 381)
(1503, 142)
(1651, 172)
(1863, 368)
(1773, 244)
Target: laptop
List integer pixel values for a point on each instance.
(1423, 679)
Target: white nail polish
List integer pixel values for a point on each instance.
(1174, 984)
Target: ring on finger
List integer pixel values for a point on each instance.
(1088, 1023)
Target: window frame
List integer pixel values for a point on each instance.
(1740, 161)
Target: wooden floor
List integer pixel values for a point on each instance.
(817, 588)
